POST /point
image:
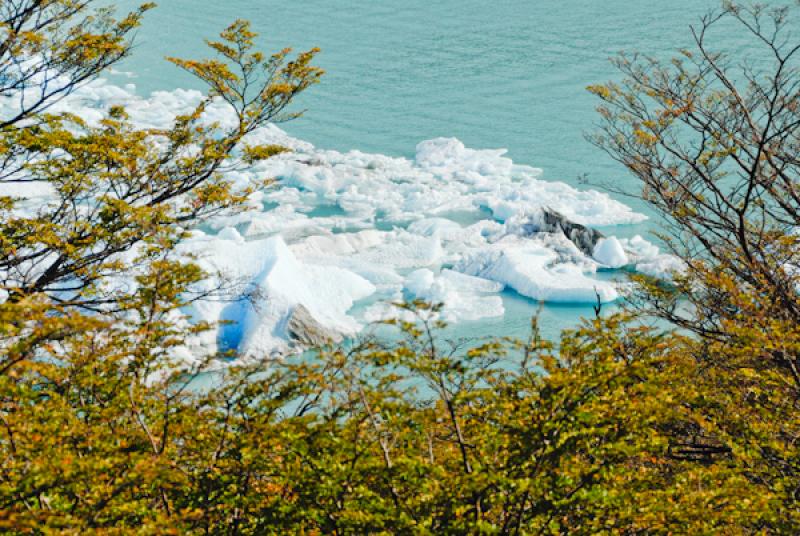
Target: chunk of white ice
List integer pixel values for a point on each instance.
(609, 251)
(534, 271)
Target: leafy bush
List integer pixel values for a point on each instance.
(620, 428)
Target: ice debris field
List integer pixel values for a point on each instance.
(453, 225)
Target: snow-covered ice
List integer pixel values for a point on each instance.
(534, 270)
(265, 281)
(464, 297)
(609, 251)
(448, 225)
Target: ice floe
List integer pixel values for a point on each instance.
(265, 283)
(609, 251)
(464, 297)
(450, 224)
(534, 270)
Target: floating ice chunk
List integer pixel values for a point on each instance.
(468, 283)
(402, 249)
(419, 282)
(229, 233)
(449, 155)
(326, 292)
(662, 267)
(504, 210)
(319, 246)
(386, 310)
(650, 261)
(359, 252)
(271, 134)
(533, 271)
(464, 297)
(274, 281)
(609, 251)
(441, 227)
(639, 248)
(397, 249)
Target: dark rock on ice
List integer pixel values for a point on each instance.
(307, 330)
(584, 238)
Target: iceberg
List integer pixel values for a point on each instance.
(609, 251)
(533, 270)
(464, 297)
(267, 283)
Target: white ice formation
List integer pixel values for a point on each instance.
(451, 224)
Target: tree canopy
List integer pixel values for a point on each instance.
(618, 427)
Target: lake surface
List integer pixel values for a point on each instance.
(507, 74)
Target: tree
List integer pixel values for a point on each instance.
(120, 186)
(620, 428)
(714, 141)
(418, 437)
(75, 348)
(116, 189)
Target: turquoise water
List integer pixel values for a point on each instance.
(510, 74)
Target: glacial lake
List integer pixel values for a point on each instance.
(509, 74)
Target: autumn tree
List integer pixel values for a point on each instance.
(83, 358)
(119, 186)
(714, 140)
(121, 195)
(618, 428)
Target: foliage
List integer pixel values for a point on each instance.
(618, 428)
(714, 140)
(410, 438)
